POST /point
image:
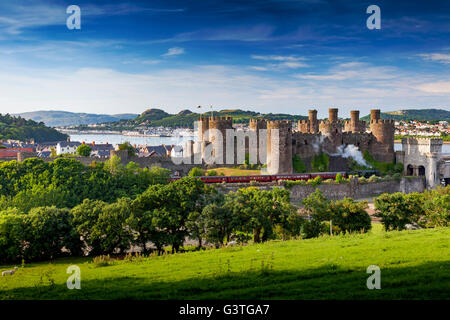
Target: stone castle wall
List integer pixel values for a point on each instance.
(311, 138)
(340, 191)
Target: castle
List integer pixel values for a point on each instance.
(276, 142)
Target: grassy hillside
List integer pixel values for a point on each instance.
(414, 265)
(186, 118)
(65, 118)
(18, 128)
(415, 114)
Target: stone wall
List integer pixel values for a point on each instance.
(354, 189)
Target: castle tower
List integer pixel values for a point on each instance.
(333, 114)
(421, 157)
(203, 125)
(355, 125)
(375, 114)
(221, 124)
(279, 147)
(309, 126)
(313, 123)
(332, 130)
(260, 126)
(382, 148)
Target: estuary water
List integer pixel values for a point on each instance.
(134, 140)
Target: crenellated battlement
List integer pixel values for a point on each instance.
(220, 118)
(422, 141)
(382, 121)
(279, 124)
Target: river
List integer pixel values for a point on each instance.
(156, 141)
(134, 140)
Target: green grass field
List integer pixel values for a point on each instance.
(236, 171)
(414, 265)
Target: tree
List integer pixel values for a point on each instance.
(12, 233)
(258, 211)
(350, 216)
(397, 209)
(317, 205)
(141, 219)
(199, 221)
(85, 217)
(111, 228)
(128, 147)
(84, 150)
(345, 215)
(48, 231)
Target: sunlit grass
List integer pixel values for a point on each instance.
(414, 265)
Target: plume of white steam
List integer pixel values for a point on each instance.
(317, 142)
(352, 151)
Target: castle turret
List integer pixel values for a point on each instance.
(279, 147)
(382, 149)
(355, 125)
(333, 114)
(309, 126)
(217, 135)
(203, 125)
(375, 114)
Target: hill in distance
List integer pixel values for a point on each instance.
(66, 118)
(186, 118)
(415, 114)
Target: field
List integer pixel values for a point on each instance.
(236, 172)
(414, 265)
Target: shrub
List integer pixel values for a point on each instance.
(362, 180)
(212, 173)
(339, 178)
(103, 261)
(319, 163)
(396, 209)
(346, 215)
(298, 164)
(315, 182)
(313, 228)
(196, 172)
(350, 216)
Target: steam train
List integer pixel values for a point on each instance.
(277, 177)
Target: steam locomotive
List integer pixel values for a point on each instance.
(277, 177)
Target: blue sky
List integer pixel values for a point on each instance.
(266, 55)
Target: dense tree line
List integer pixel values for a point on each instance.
(165, 215)
(18, 128)
(66, 182)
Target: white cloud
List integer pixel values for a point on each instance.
(438, 57)
(352, 71)
(108, 91)
(277, 58)
(435, 87)
(258, 68)
(174, 52)
(16, 16)
(278, 62)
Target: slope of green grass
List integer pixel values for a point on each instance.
(414, 265)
